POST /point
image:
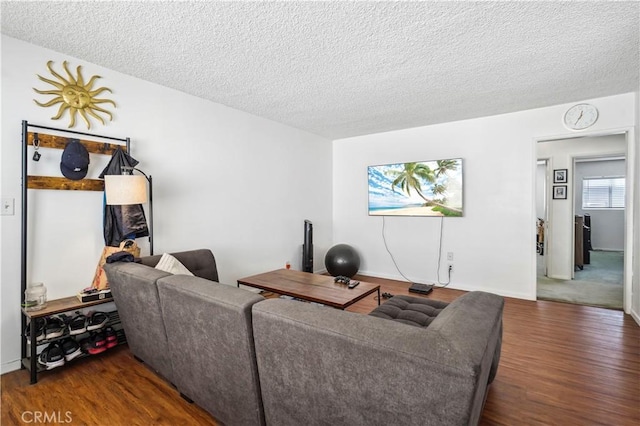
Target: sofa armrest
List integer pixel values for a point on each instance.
(136, 297)
(468, 323)
(200, 262)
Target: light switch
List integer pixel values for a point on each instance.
(8, 206)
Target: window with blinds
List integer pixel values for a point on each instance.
(603, 193)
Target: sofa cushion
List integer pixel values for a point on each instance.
(210, 341)
(410, 310)
(172, 265)
(200, 262)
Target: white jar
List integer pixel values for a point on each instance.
(35, 297)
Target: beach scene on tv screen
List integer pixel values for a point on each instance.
(427, 188)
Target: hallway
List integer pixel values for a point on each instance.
(600, 283)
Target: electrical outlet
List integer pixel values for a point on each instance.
(450, 268)
(450, 256)
(7, 206)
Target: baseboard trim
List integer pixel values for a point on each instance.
(455, 286)
(635, 316)
(10, 366)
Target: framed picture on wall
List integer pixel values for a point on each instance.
(560, 176)
(559, 192)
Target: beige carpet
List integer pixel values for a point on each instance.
(598, 284)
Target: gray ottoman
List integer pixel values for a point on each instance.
(415, 311)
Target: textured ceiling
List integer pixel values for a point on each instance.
(340, 69)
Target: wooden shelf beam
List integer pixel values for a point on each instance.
(60, 142)
(62, 183)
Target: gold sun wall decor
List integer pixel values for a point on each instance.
(75, 96)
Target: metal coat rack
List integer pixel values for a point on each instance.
(44, 140)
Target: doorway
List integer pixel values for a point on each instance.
(583, 257)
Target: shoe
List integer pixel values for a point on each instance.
(78, 325)
(94, 344)
(52, 356)
(39, 324)
(97, 320)
(54, 328)
(71, 349)
(112, 338)
(99, 339)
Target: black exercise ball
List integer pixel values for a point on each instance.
(342, 259)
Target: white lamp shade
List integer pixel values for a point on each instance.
(122, 190)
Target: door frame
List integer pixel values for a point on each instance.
(545, 214)
(631, 173)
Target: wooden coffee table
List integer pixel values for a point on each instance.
(310, 287)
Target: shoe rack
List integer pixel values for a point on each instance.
(59, 306)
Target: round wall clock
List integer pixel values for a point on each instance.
(580, 116)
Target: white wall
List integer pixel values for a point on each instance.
(494, 243)
(238, 184)
(635, 148)
(560, 223)
(607, 225)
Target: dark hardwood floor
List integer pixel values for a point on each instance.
(561, 364)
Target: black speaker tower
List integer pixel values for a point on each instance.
(307, 247)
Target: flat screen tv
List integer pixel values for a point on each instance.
(426, 188)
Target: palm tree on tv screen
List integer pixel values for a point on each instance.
(413, 173)
(444, 166)
(439, 189)
(410, 177)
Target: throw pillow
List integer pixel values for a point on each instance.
(172, 265)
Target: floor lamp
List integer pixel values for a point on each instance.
(127, 189)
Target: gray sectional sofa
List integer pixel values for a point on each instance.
(251, 361)
(134, 286)
(193, 331)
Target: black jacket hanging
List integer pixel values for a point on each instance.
(122, 222)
